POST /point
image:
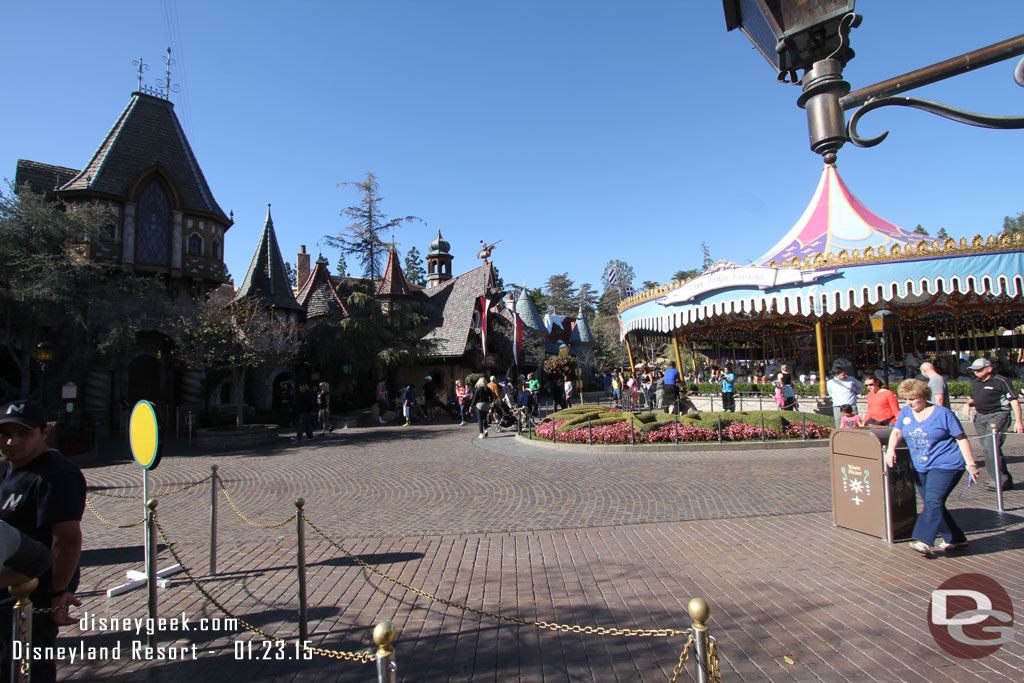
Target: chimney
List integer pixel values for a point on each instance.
(301, 266)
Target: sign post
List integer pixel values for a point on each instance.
(144, 439)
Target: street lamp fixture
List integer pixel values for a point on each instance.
(882, 322)
(44, 354)
(813, 36)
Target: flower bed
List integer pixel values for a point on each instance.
(602, 425)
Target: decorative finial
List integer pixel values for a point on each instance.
(166, 83)
(142, 67)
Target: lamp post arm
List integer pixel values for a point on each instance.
(954, 66)
(945, 111)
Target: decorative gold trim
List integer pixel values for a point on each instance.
(924, 248)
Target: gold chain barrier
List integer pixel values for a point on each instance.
(364, 657)
(241, 514)
(712, 669)
(160, 494)
(106, 521)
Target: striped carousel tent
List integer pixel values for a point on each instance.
(810, 296)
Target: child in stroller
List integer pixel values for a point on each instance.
(503, 414)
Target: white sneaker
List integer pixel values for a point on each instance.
(485, 433)
(481, 436)
(462, 424)
(382, 420)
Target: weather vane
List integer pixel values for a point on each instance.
(166, 83)
(485, 250)
(142, 67)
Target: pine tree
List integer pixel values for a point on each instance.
(919, 230)
(561, 294)
(414, 268)
(363, 236)
(942, 234)
(342, 266)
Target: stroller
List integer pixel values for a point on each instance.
(503, 413)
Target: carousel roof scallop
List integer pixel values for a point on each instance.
(835, 220)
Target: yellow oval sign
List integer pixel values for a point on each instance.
(144, 435)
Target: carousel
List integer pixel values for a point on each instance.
(844, 285)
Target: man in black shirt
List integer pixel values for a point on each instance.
(43, 495)
(993, 397)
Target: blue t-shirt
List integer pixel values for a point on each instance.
(727, 380)
(932, 442)
(671, 376)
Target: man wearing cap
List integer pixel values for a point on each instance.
(42, 495)
(993, 397)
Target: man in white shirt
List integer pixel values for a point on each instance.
(844, 390)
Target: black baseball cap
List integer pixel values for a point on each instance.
(26, 413)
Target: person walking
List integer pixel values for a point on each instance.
(940, 453)
(382, 400)
(788, 392)
(882, 404)
(323, 407)
(481, 401)
(408, 401)
(843, 389)
(994, 399)
(305, 405)
(672, 381)
(462, 395)
(937, 383)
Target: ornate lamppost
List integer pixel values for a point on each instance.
(882, 322)
(44, 354)
(814, 37)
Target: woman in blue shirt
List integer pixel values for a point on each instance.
(940, 452)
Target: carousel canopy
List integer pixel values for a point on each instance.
(833, 221)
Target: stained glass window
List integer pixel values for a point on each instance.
(195, 244)
(153, 227)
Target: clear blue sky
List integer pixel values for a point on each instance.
(576, 131)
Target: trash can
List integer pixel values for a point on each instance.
(866, 495)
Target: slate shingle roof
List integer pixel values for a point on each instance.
(393, 283)
(147, 133)
(266, 278)
(41, 178)
(451, 317)
(528, 313)
(318, 296)
(581, 333)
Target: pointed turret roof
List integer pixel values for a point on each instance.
(147, 134)
(528, 313)
(833, 221)
(266, 277)
(581, 330)
(317, 295)
(393, 283)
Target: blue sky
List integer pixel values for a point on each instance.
(575, 131)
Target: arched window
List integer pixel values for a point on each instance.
(215, 250)
(195, 244)
(108, 231)
(153, 230)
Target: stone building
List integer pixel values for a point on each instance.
(164, 223)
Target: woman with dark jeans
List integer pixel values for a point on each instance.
(481, 400)
(940, 452)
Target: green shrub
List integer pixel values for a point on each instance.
(606, 419)
(472, 378)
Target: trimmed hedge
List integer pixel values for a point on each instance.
(645, 423)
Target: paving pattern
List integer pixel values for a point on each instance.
(598, 539)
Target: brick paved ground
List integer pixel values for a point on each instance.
(610, 539)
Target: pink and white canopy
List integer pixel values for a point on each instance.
(833, 221)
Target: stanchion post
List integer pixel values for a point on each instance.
(590, 432)
(301, 567)
(803, 426)
(151, 604)
(383, 637)
(996, 471)
(21, 628)
(762, 428)
(677, 428)
(699, 612)
(632, 434)
(213, 519)
(719, 429)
